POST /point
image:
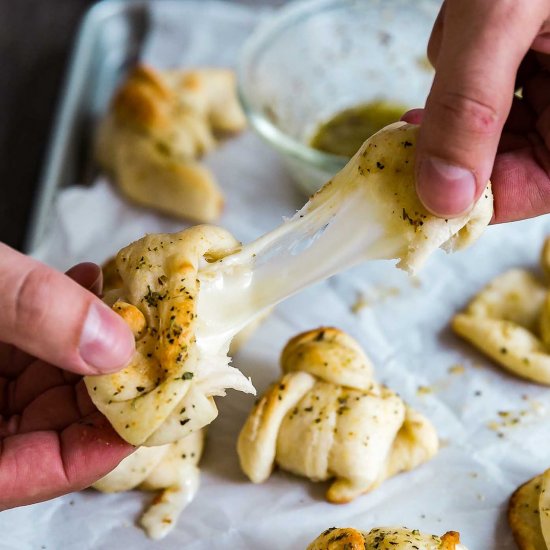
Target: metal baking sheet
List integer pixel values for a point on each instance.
(110, 40)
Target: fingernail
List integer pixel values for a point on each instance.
(106, 342)
(444, 189)
(97, 285)
(414, 116)
(88, 275)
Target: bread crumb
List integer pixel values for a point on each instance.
(378, 295)
(360, 303)
(457, 369)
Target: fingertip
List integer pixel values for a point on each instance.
(87, 275)
(49, 315)
(445, 190)
(414, 116)
(106, 341)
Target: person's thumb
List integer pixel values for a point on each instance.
(480, 49)
(50, 316)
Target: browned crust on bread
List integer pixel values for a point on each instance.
(545, 258)
(339, 539)
(327, 334)
(140, 99)
(330, 354)
(523, 516)
(449, 540)
(133, 317)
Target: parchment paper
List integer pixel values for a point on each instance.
(403, 325)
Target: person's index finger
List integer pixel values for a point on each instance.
(50, 316)
(482, 45)
(434, 44)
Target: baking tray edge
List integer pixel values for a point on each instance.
(65, 121)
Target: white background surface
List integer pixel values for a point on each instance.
(404, 329)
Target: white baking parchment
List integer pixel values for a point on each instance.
(402, 323)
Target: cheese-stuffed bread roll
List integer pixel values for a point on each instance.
(166, 391)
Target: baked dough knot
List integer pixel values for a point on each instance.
(158, 126)
(384, 538)
(327, 418)
(166, 390)
(509, 321)
(529, 513)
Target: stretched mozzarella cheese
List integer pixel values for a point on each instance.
(187, 294)
(368, 211)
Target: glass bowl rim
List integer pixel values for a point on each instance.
(263, 36)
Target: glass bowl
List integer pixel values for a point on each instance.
(315, 58)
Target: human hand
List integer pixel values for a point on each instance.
(473, 128)
(53, 329)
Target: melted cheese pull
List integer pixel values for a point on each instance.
(187, 294)
(368, 211)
